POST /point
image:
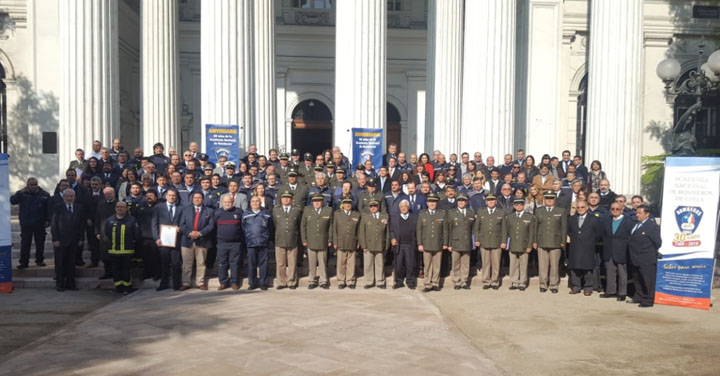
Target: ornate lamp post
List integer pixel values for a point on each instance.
(704, 80)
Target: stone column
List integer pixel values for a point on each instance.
(226, 65)
(615, 91)
(160, 74)
(265, 93)
(444, 76)
(360, 83)
(488, 97)
(89, 75)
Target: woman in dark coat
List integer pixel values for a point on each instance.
(581, 255)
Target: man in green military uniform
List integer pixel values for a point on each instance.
(337, 179)
(298, 190)
(519, 229)
(488, 231)
(365, 197)
(550, 237)
(306, 170)
(345, 235)
(432, 238)
(374, 237)
(283, 168)
(287, 232)
(124, 234)
(460, 224)
(317, 237)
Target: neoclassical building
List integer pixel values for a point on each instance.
(456, 75)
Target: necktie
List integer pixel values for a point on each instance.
(412, 200)
(171, 211)
(70, 209)
(287, 210)
(581, 220)
(432, 212)
(292, 188)
(233, 197)
(197, 219)
(347, 213)
(463, 212)
(548, 209)
(375, 216)
(637, 226)
(318, 211)
(519, 214)
(492, 211)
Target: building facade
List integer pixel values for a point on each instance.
(455, 75)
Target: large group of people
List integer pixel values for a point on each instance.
(424, 214)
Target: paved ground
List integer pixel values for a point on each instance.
(402, 332)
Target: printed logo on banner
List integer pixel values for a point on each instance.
(365, 155)
(688, 219)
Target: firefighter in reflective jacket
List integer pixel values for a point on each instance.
(123, 232)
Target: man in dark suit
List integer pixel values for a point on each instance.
(616, 232)
(403, 227)
(564, 198)
(394, 197)
(505, 199)
(581, 170)
(196, 227)
(643, 244)
(168, 213)
(393, 170)
(391, 153)
(417, 200)
(584, 230)
(383, 180)
(67, 228)
(607, 196)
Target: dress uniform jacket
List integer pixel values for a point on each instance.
(519, 230)
(315, 228)
(258, 228)
(488, 228)
(615, 245)
(345, 230)
(364, 200)
(551, 227)
(644, 243)
(582, 241)
(299, 193)
(460, 229)
(287, 226)
(432, 231)
(374, 234)
(307, 174)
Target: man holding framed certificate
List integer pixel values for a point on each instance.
(166, 231)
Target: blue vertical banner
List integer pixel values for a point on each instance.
(5, 240)
(367, 143)
(222, 140)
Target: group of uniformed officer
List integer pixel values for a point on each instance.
(315, 207)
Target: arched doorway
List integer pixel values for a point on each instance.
(707, 120)
(581, 117)
(394, 127)
(312, 127)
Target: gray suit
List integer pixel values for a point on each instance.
(241, 200)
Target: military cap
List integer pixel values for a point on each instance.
(462, 197)
(318, 167)
(307, 157)
(202, 157)
(330, 164)
(374, 202)
(286, 194)
(340, 170)
(371, 182)
(292, 172)
(519, 200)
(284, 156)
(317, 196)
(207, 167)
(229, 165)
(295, 152)
(432, 197)
(347, 200)
(549, 194)
(490, 196)
(360, 167)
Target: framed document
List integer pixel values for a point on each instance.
(168, 236)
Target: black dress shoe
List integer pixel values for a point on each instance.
(543, 289)
(341, 286)
(466, 287)
(352, 287)
(427, 289)
(631, 301)
(60, 289)
(554, 291)
(457, 287)
(161, 287)
(620, 298)
(381, 287)
(312, 286)
(395, 286)
(486, 287)
(280, 287)
(605, 296)
(645, 305)
(513, 287)
(250, 288)
(412, 287)
(264, 288)
(436, 288)
(367, 286)
(292, 287)
(40, 263)
(521, 288)
(325, 285)
(495, 287)
(22, 266)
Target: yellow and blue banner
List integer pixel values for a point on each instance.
(691, 195)
(5, 239)
(367, 143)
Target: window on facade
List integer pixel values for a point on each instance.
(312, 4)
(394, 5)
(707, 121)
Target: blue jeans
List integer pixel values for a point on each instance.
(228, 256)
(257, 259)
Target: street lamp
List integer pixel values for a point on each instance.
(704, 80)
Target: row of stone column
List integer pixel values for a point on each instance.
(237, 71)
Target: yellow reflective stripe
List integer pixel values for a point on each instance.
(123, 283)
(121, 251)
(114, 240)
(122, 237)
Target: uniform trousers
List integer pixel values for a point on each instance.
(286, 266)
(644, 280)
(432, 260)
(317, 265)
(192, 254)
(616, 278)
(518, 268)
(151, 259)
(581, 279)
(549, 267)
(122, 275)
(346, 266)
(374, 263)
(405, 268)
(170, 265)
(27, 234)
(65, 266)
(257, 266)
(228, 257)
(460, 267)
(490, 265)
